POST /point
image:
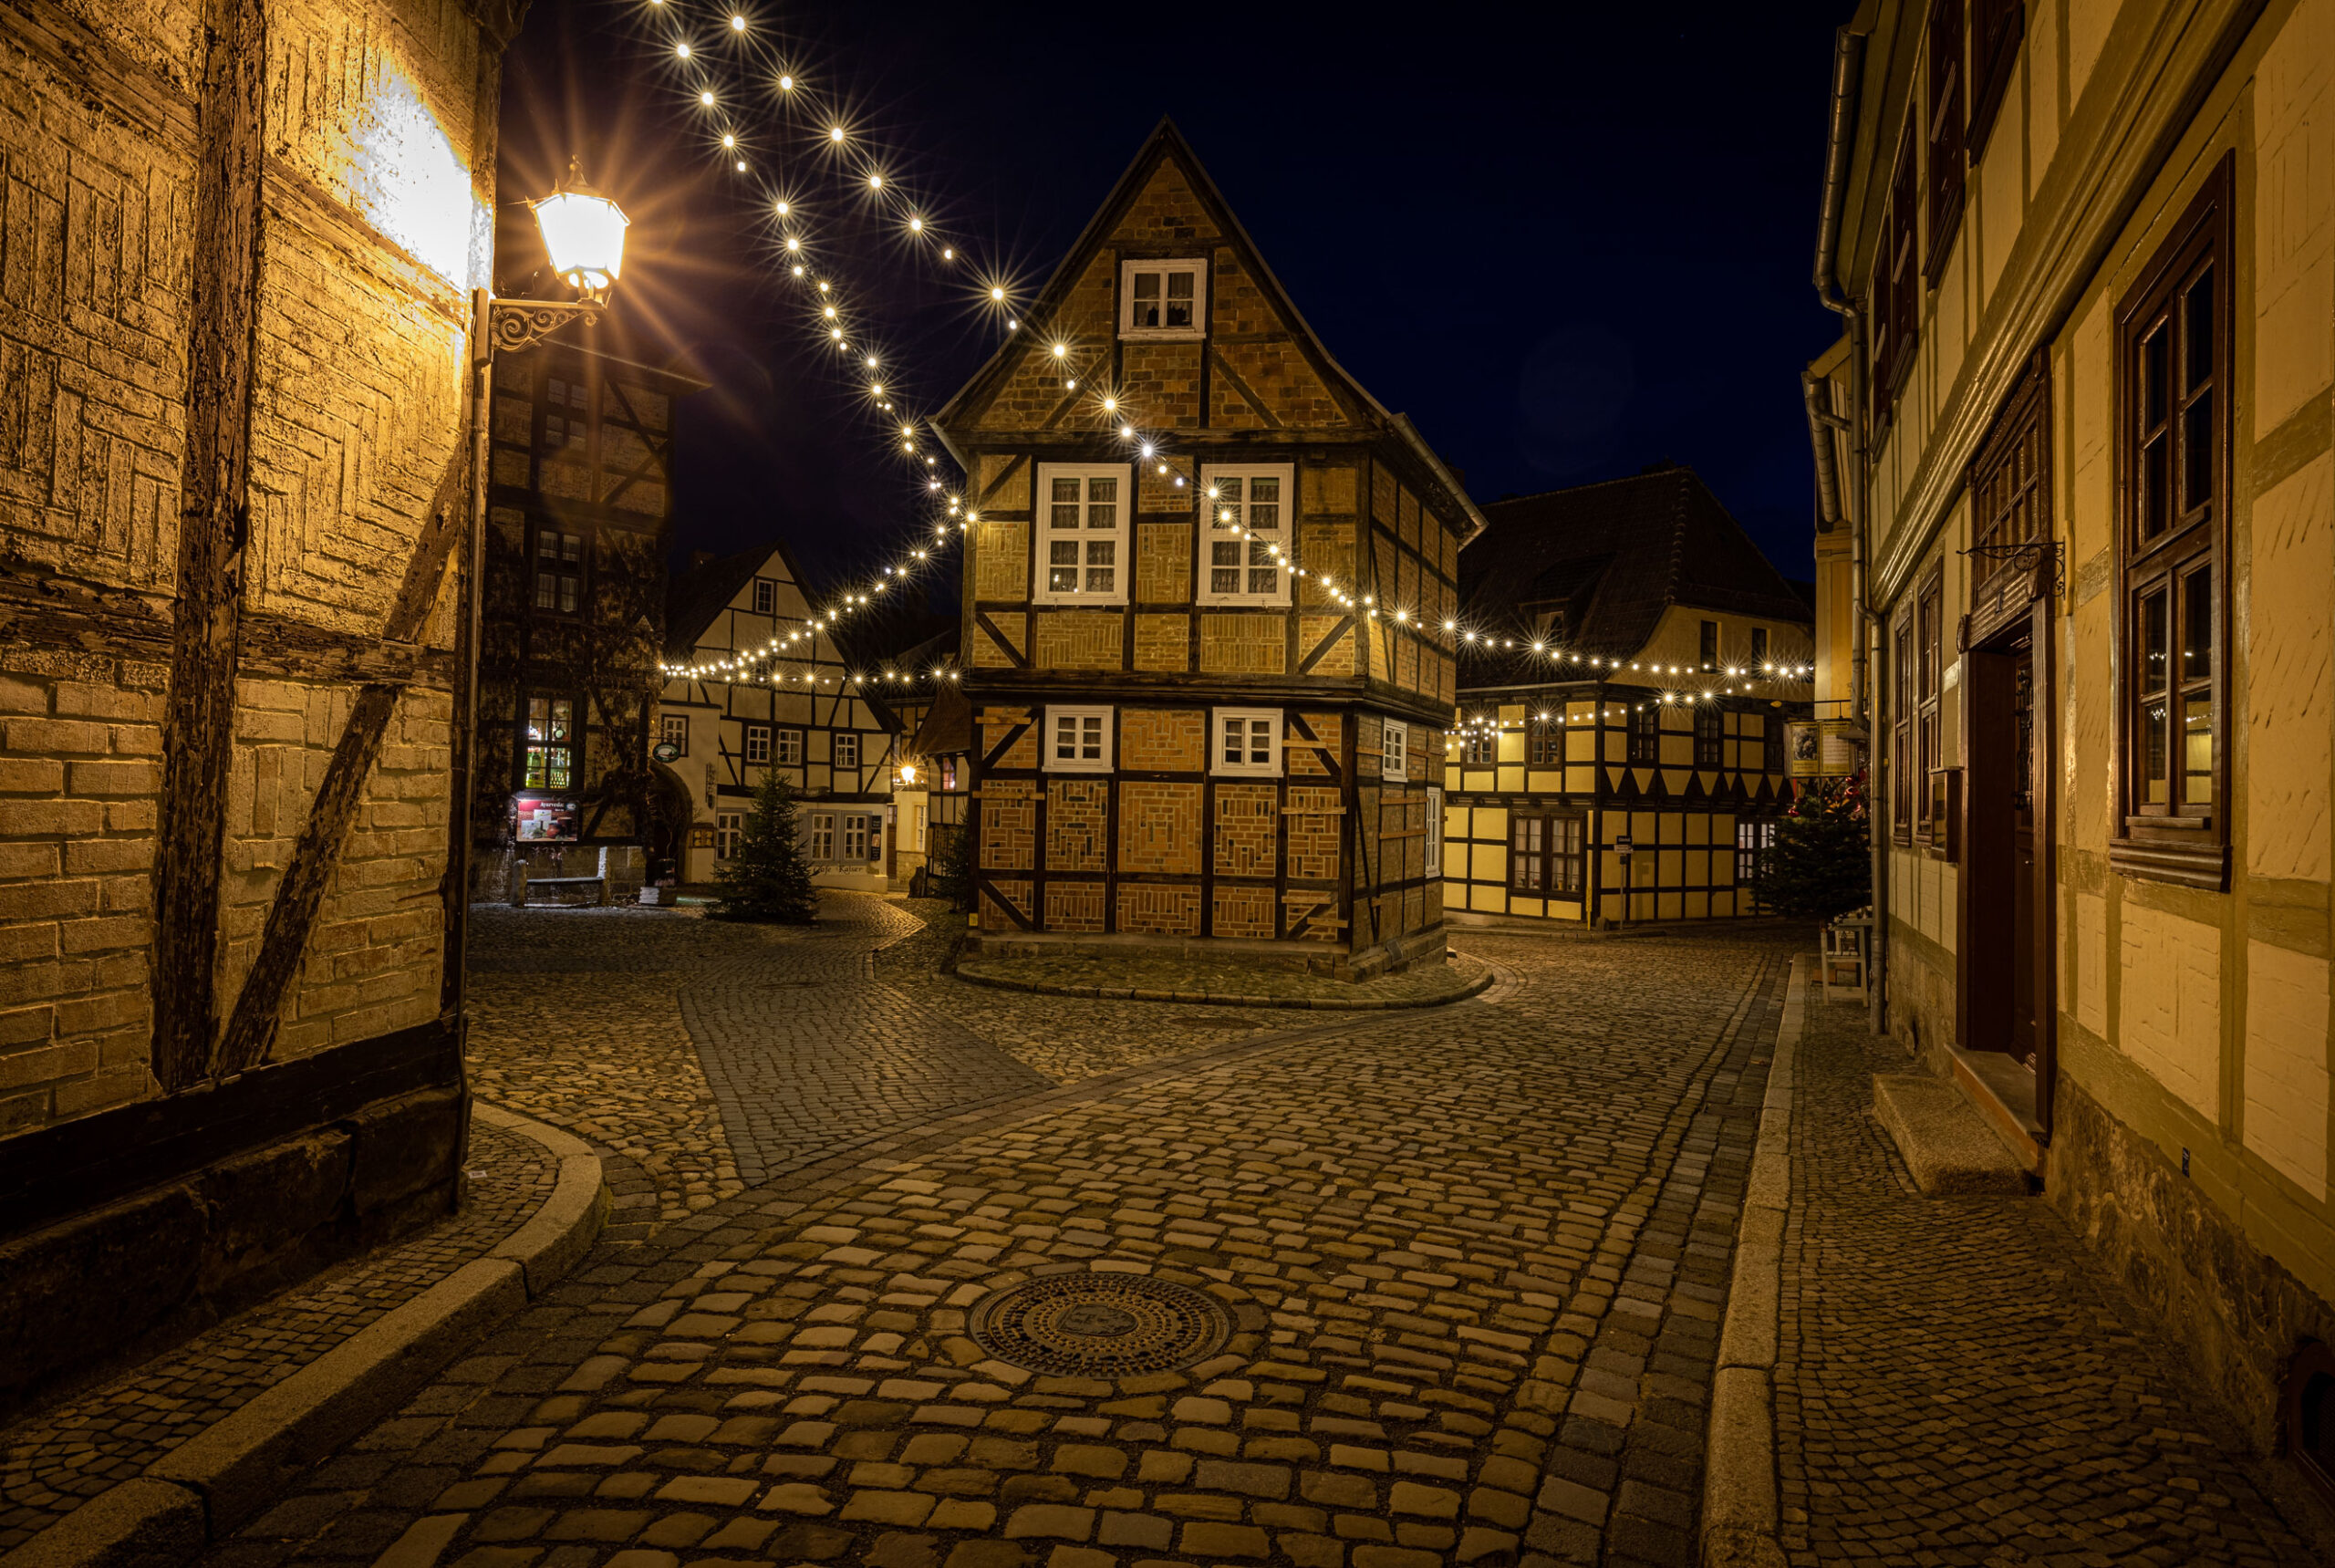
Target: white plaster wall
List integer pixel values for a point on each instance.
(2286, 1045)
(2171, 996)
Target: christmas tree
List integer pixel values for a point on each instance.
(1821, 864)
(764, 878)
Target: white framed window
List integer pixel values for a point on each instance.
(847, 751)
(673, 729)
(765, 596)
(729, 827)
(1247, 519)
(855, 837)
(1246, 742)
(1082, 533)
(788, 747)
(1163, 298)
(823, 836)
(1434, 831)
(1078, 739)
(1395, 751)
(758, 743)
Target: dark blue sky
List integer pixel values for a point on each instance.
(1568, 241)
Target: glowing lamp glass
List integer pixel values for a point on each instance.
(585, 236)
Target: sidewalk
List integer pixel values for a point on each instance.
(1955, 1383)
(168, 1450)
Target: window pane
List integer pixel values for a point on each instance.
(2198, 331)
(547, 591)
(557, 769)
(2155, 637)
(1100, 580)
(2198, 452)
(567, 596)
(2155, 371)
(1144, 310)
(548, 543)
(1061, 579)
(1264, 504)
(1091, 739)
(2197, 626)
(1260, 742)
(560, 712)
(1231, 740)
(2156, 486)
(2196, 677)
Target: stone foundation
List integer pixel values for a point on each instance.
(1391, 957)
(2239, 1316)
(178, 1228)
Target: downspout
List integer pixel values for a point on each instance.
(1848, 73)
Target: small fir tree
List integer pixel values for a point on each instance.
(764, 878)
(950, 870)
(1822, 865)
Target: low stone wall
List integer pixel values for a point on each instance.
(1391, 957)
(2238, 1315)
(121, 1281)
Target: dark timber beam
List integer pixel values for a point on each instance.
(283, 940)
(214, 522)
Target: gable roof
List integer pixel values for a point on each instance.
(1166, 142)
(1612, 556)
(948, 727)
(699, 595)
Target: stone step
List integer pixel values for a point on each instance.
(1947, 1146)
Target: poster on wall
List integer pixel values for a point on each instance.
(543, 819)
(1820, 748)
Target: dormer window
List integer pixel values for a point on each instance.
(1162, 299)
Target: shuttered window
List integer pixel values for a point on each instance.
(1947, 84)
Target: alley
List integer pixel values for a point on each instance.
(1399, 1288)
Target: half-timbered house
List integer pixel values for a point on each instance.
(580, 504)
(1629, 664)
(238, 360)
(745, 700)
(1197, 569)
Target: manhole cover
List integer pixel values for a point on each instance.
(1100, 1326)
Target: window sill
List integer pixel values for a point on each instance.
(2192, 865)
(1162, 334)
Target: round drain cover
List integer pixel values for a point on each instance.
(1100, 1326)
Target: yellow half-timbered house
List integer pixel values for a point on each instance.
(1628, 667)
(1199, 560)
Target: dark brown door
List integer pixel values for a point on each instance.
(1999, 849)
(2022, 1040)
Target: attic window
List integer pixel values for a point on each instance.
(1163, 298)
(765, 596)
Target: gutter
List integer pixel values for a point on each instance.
(1840, 148)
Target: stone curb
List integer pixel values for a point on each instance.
(1739, 1507)
(1482, 983)
(194, 1496)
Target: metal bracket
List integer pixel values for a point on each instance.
(2027, 552)
(516, 324)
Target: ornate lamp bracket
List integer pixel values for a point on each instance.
(515, 324)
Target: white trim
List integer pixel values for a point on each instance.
(1248, 718)
(1165, 267)
(1393, 750)
(1081, 716)
(756, 732)
(1434, 866)
(786, 746)
(1082, 536)
(1213, 532)
(836, 746)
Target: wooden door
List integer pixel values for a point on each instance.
(2020, 765)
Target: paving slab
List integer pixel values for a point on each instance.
(1946, 1146)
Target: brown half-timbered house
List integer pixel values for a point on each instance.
(580, 507)
(808, 713)
(1199, 560)
(237, 360)
(1618, 749)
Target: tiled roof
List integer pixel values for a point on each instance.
(1612, 556)
(703, 592)
(948, 727)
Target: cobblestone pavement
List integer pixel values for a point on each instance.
(1953, 1387)
(53, 1462)
(1190, 979)
(1472, 1263)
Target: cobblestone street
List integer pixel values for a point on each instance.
(1465, 1266)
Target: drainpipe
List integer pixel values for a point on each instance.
(1848, 72)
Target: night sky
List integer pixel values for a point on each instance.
(1568, 241)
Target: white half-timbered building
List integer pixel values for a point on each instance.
(801, 711)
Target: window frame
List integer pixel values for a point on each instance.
(747, 745)
(765, 597)
(1056, 713)
(1393, 750)
(2184, 842)
(785, 747)
(574, 579)
(1997, 29)
(1710, 750)
(729, 831)
(569, 745)
(1642, 746)
(1218, 767)
(1213, 474)
(1431, 864)
(1471, 741)
(1902, 712)
(1707, 645)
(1552, 854)
(1121, 536)
(673, 729)
(1896, 313)
(838, 743)
(1198, 266)
(1929, 691)
(1544, 741)
(1945, 132)
(820, 832)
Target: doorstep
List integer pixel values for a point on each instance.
(2003, 1094)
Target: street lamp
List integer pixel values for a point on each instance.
(583, 232)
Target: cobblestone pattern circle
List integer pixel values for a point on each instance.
(1100, 1326)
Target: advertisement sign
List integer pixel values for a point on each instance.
(1820, 748)
(543, 818)
(666, 751)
